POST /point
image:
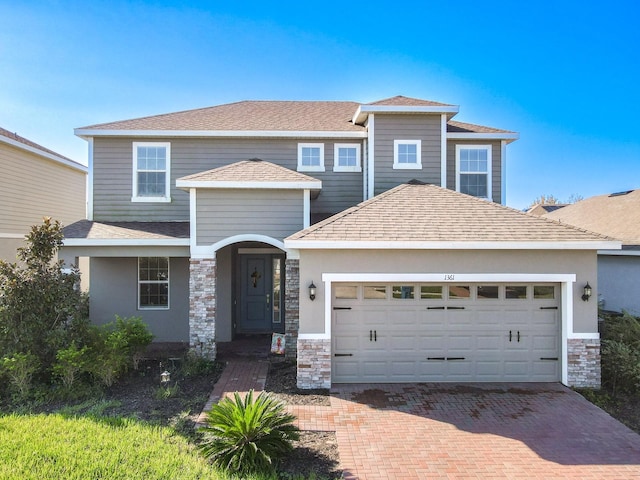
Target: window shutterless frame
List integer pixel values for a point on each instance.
(151, 180)
(407, 154)
(473, 170)
(150, 278)
(346, 157)
(311, 157)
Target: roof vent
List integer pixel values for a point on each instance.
(619, 194)
(415, 181)
(255, 159)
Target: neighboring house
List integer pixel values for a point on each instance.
(215, 222)
(618, 216)
(540, 209)
(35, 183)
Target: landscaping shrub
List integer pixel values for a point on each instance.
(19, 369)
(41, 307)
(71, 362)
(248, 435)
(136, 335)
(621, 354)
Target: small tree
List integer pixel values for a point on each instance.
(40, 305)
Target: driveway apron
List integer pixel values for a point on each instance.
(473, 431)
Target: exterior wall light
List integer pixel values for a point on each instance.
(587, 292)
(312, 291)
(165, 377)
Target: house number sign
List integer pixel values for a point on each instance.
(449, 277)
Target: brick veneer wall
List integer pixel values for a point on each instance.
(314, 363)
(291, 307)
(583, 362)
(202, 306)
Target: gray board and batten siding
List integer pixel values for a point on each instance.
(113, 172)
(223, 213)
(496, 165)
(427, 128)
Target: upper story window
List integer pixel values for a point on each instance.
(153, 283)
(407, 154)
(346, 157)
(151, 171)
(473, 164)
(311, 157)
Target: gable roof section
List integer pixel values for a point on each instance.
(615, 215)
(400, 100)
(254, 173)
(417, 216)
(22, 143)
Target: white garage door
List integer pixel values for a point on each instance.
(445, 333)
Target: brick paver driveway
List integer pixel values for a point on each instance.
(472, 431)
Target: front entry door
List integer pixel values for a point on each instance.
(259, 305)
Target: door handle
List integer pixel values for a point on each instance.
(518, 335)
(509, 335)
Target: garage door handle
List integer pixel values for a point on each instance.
(342, 308)
(435, 308)
(436, 358)
(455, 308)
(343, 354)
(548, 308)
(549, 358)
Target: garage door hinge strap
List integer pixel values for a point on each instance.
(455, 308)
(548, 308)
(342, 308)
(549, 358)
(436, 358)
(435, 308)
(343, 354)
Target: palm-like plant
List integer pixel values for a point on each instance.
(247, 435)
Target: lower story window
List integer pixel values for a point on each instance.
(153, 282)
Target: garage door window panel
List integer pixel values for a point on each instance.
(544, 292)
(375, 292)
(488, 292)
(459, 292)
(403, 292)
(346, 292)
(516, 292)
(431, 292)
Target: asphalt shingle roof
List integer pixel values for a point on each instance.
(29, 143)
(87, 229)
(427, 213)
(617, 215)
(254, 170)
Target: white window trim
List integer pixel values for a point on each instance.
(311, 168)
(168, 282)
(340, 168)
(407, 166)
(167, 197)
(489, 167)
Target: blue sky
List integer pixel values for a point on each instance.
(565, 75)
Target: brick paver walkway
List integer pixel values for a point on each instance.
(461, 431)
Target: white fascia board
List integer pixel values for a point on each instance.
(42, 153)
(631, 253)
(364, 110)
(445, 277)
(509, 137)
(317, 185)
(81, 132)
(122, 242)
(417, 245)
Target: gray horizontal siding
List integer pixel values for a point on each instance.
(388, 128)
(496, 164)
(113, 171)
(225, 213)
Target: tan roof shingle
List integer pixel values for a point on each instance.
(615, 215)
(427, 213)
(254, 170)
(87, 229)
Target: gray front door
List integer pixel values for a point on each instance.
(260, 303)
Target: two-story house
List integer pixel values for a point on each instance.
(35, 182)
(373, 235)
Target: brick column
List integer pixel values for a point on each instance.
(291, 307)
(583, 366)
(202, 306)
(314, 363)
